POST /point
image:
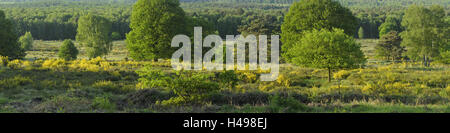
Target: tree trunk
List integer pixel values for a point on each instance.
(424, 61)
(329, 74)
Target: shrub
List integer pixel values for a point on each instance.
(342, 74)
(68, 51)
(107, 86)
(189, 87)
(14, 83)
(93, 65)
(4, 60)
(279, 104)
(248, 76)
(228, 79)
(55, 64)
(103, 103)
(192, 89)
(144, 98)
(152, 78)
(14, 64)
(63, 104)
(115, 36)
(253, 98)
(26, 41)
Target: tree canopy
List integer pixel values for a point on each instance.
(26, 41)
(153, 24)
(307, 15)
(392, 23)
(426, 33)
(388, 46)
(94, 33)
(327, 49)
(8, 39)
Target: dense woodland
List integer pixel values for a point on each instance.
(57, 20)
(116, 56)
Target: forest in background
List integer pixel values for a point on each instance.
(57, 19)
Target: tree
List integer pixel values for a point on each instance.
(8, 39)
(153, 24)
(260, 25)
(26, 41)
(445, 49)
(208, 27)
(426, 33)
(327, 49)
(361, 33)
(389, 46)
(68, 51)
(94, 33)
(307, 15)
(392, 23)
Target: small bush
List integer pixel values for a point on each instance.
(107, 86)
(26, 41)
(4, 60)
(115, 36)
(55, 64)
(14, 83)
(251, 98)
(68, 51)
(14, 64)
(190, 87)
(103, 103)
(63, 104)
(279, 104)
(228, 79)
(144, 98)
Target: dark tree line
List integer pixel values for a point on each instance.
(57, 20)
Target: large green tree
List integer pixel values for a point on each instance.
(153, 25)
(8, 39)
(94, 33)
(307, 15)
(389, 47)
(327, 49)
(426, 33)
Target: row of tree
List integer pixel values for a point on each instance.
(57, 20)
(155, 22)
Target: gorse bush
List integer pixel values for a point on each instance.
(4, 60)
(55, 64)
(14, 83)
(14, 64)
(93, 65)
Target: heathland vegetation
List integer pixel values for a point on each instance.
(113, 56)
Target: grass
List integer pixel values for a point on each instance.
(49, 50)
(41, 83)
